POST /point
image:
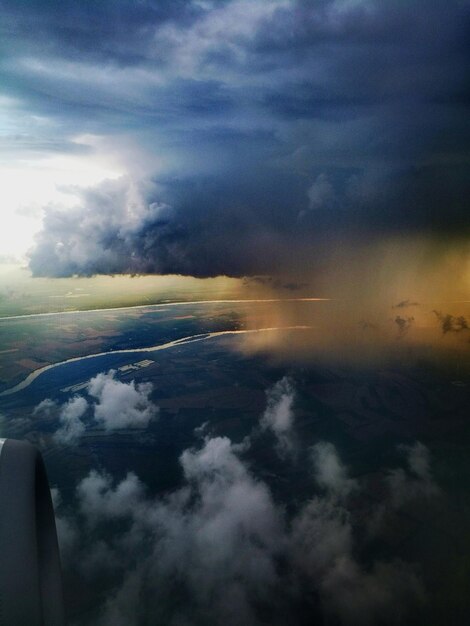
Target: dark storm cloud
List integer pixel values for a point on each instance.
(403, 324)
(117, 229)
(452, 323)
(365, 325)
(274, 283)
(404, 304)
(283, 124)
(111, 29)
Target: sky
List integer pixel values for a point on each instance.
(243, 138)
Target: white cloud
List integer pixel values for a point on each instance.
(279, 415)
(72, 427)
(31, 184)
(121, 405)
(45, 406)
(330, 473)
(218, 535)
(116, 405)
(99, 500)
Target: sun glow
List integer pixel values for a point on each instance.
(30, 186)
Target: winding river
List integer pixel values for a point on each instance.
(164, 346)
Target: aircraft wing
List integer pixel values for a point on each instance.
(30, 575)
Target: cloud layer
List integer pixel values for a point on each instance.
(221, 550)
(253, 135)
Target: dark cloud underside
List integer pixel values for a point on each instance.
(280, 125)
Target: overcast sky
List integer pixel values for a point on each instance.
(237, 137)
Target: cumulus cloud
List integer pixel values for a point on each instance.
(279, 414)
(45, 407)
(415, 483)
(114, 405)
(324, 550)
(330, 473)
(451, 323)
(220, 549)
(218, 537)
(405, 486)
(104, 232)
(99, 500)
(403, 324)
(67, 532)
(121, 405)
(72, 426)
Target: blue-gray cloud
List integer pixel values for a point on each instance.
(280, 124)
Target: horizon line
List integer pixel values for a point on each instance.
(161, 304)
